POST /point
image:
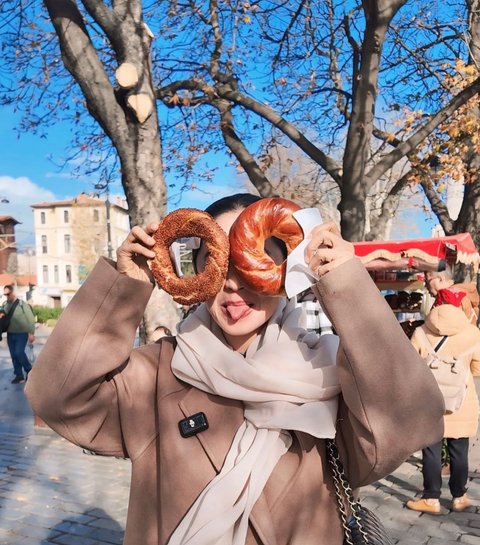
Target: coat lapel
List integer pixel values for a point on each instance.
(224, 417)
(261, 520)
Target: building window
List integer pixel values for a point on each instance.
(45, 274)
(96, 215)
(66, 240)
(42, 218)
(65, 216)
(68, 273)
(56, 276)
(44, 244)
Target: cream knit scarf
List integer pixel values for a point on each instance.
(285, 383)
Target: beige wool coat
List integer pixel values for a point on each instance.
(94, 389)
(462, 336)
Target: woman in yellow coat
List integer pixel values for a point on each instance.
(447, 319)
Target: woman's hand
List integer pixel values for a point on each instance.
(134, 253)
(327, 249)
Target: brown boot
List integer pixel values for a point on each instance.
(461, 503)
(425, 505)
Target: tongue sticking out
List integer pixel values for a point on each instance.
(237, 312)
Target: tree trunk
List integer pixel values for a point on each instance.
(354, 189)
(123, 113)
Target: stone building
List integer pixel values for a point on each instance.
(70, 236)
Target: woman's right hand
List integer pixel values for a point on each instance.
(135, 251)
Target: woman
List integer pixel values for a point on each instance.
(447, 319)
(257, 474)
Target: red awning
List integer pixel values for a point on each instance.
(427, 254)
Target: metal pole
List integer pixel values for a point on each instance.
(109, 229)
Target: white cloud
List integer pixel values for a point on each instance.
(21, 193)
(61, 175)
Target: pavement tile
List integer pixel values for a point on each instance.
(469, 540)
(68, 539)
(108, 536)
(31, 531)
(439, 541)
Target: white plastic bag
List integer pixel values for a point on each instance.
(30, 353)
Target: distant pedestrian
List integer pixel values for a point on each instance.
(448, 328)
(20, 331)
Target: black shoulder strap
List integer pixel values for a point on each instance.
(12, 308)
(440, 343)
(427, 344)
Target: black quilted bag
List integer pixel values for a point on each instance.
(360, 525)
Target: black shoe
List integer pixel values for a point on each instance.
(18, 380)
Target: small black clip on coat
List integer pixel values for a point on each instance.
(193, 424)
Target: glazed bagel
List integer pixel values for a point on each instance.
(271, 217)
(189, 222)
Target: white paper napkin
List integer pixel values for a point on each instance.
(298, 276)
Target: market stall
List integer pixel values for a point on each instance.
(397, 262)
(398, 268)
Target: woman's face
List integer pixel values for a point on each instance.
(239, 312)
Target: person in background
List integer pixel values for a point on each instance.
(447, 319)
(225, 423)
(20, 331)
(442, 280)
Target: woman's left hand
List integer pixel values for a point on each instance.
(327, 249)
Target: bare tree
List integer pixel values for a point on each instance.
(321, 86)
(106, 47)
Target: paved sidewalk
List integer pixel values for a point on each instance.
(51, 492)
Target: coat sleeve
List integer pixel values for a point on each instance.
(27, 310)
(390, 404)
(87, 375)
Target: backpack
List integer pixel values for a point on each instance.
(5, 319)
(450, 372)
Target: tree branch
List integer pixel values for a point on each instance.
(438, 206)
(245, 158)
(81, 60)
(104, 17)
(389, 206)
(406, 147)
(331, 166)
(217, 50)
